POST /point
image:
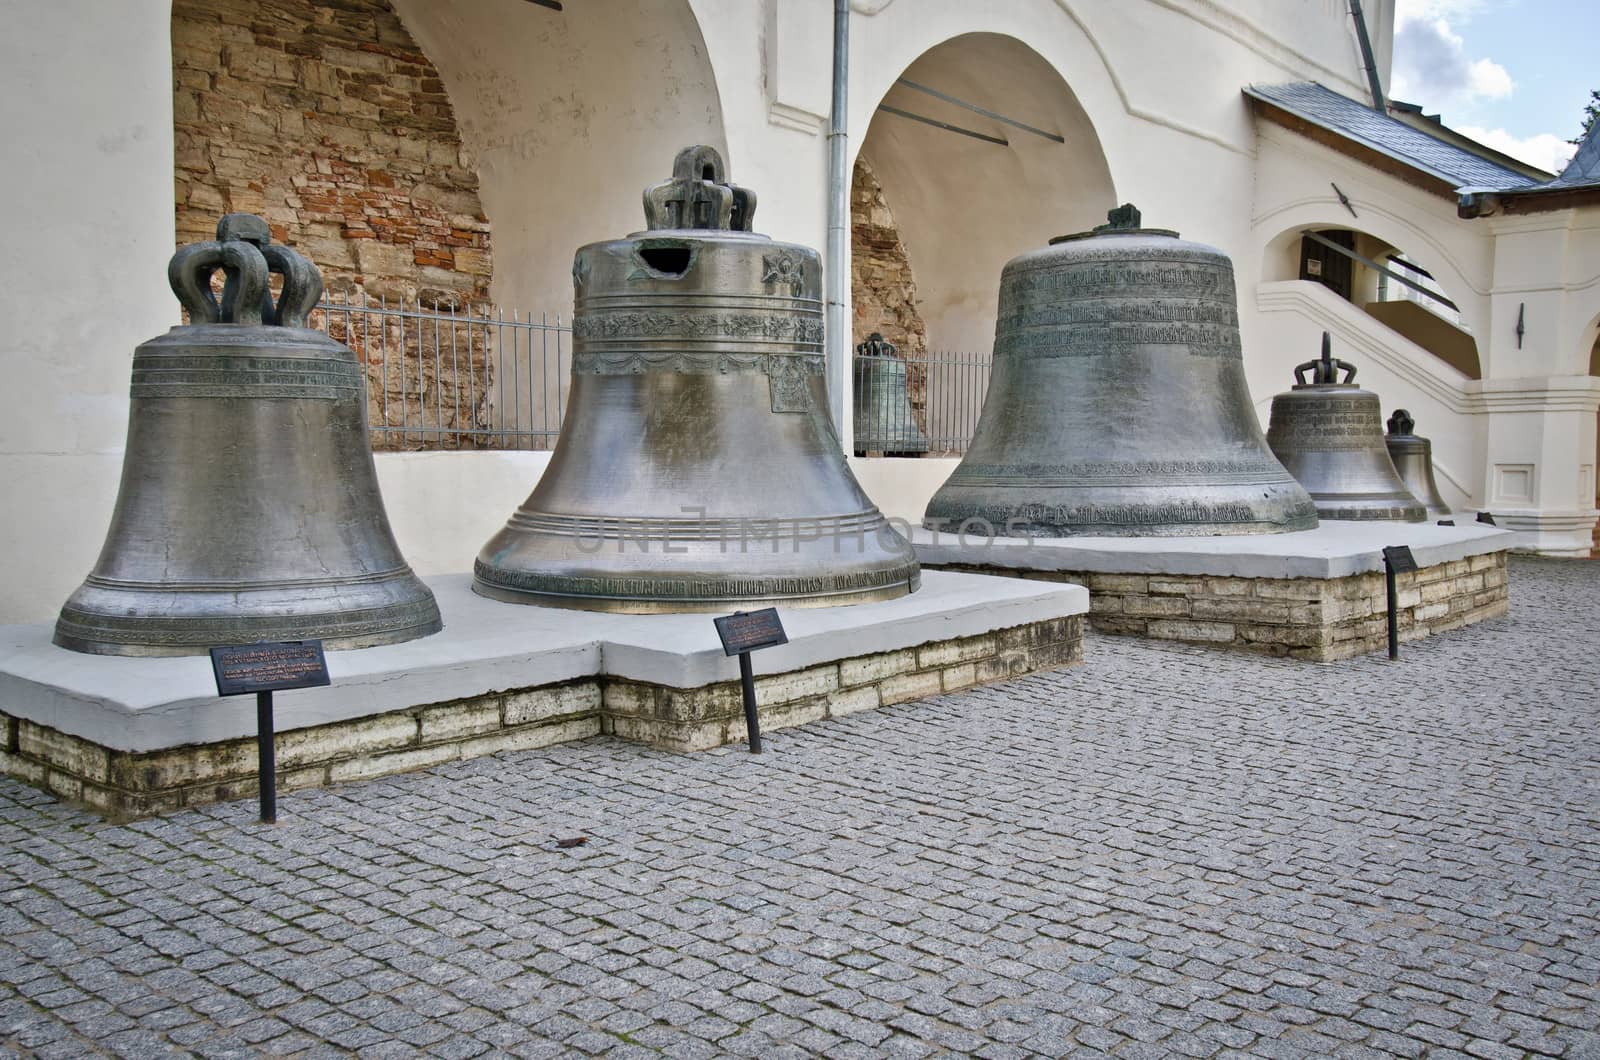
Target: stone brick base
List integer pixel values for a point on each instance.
(1305, 618)
(124, 784)
(693, 719)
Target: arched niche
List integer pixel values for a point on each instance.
(569, 115)
(963, 205)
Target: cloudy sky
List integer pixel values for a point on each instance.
(1513, 74)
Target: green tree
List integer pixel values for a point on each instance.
(1591, 114)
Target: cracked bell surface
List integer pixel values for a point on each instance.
(698, 468)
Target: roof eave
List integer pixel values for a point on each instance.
(1385, 161)
(1490, 202)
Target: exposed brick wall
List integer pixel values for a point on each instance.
(324, 117)
(882, 288)
(884, 295)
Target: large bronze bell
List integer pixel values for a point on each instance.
(1413, 459)
(885, 421)
(249, 508)
(697, 468)
(1329, 434)
(1118, 403)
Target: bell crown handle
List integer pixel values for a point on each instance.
(699, 195)
(875, 346)
(244, 252)
(1325, 369)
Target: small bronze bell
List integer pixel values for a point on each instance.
(249, 507)
(698, 468)
(1413, 459)
(885, 421)
(1329, 434)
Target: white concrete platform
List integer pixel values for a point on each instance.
(1335, 549)
(487, 646)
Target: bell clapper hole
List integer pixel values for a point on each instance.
(668, 259)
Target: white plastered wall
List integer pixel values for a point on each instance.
(86, 117)
(1293, 192)
(1537, 396)
(1520, 442)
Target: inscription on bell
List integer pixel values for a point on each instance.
(1156, 278)
(1128, 310)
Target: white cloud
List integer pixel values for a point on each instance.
(1461, 10)
(1544, 150)
(1431, 65)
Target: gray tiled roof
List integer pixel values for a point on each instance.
(1584, 169)
(1358, 122)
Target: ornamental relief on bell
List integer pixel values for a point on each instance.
(771, 326)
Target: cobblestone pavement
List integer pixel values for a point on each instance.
(1164, 851)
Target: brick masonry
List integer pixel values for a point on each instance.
(882, 288)
(694, 719)
(1322, 620)
(324, 117)
(123, 785)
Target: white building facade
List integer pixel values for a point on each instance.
(566, 115)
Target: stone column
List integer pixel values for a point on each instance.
(1536, 396)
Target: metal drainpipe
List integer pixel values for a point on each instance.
(1370, 64)
(838, 261)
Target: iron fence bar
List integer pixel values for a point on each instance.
(455, 372)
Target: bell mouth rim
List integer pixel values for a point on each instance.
(1095, 233)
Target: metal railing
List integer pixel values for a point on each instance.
(475, 378)
(916, 402)
(454, 379)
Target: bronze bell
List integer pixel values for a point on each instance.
(249, 507)
(1118, 403)
(1329, 434)
(697, 468)
(885, 421)
(1413, 459)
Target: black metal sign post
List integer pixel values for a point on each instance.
(265, 669)
(743, 632)
(1397, 559)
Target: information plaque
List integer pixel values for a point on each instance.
(249, 668)
(1399, 559)
(745, 631)
(742, 633)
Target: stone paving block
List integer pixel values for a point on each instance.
(1163, 851)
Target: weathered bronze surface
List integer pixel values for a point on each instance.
(1118, 403)
(885, 421)
(1329, 434)
(698, 468)
(249, 507)
(1413, 459)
